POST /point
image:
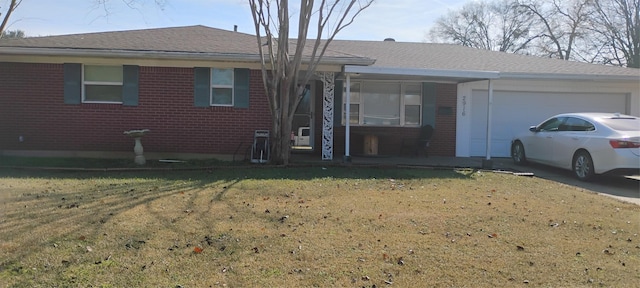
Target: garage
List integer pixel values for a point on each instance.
(515, 111)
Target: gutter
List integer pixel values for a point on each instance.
(559, 76)
(169, 55)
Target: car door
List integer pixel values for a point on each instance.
(572, 133)
(538, 147)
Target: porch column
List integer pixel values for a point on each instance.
(487, 163)
(347, 111)
(328, 82)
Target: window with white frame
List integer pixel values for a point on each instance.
(102, 84)
(384, 104)
(354, 105)
(221, 87)
(412, 104)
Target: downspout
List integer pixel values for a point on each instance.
(347, 128)
(487, 163)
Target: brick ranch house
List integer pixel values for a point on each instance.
(199, 92)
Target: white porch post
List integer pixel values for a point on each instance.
(487, 163)
(328, 94)
(347, 111)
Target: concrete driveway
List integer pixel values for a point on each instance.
(623, 188)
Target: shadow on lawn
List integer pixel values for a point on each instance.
(72, 215)
(56, 223)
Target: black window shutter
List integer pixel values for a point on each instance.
(72, 83)
(241, 88)
(202, 87)
(429, 104)
(337, 103)
(130, 85)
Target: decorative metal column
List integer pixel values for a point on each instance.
(327, 113)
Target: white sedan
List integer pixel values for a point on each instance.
(586, 143)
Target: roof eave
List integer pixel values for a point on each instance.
(173, 55)
(128, 54)
(359, 61)
(559, 76)
(458, 74)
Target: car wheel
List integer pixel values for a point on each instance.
(517, 153)
(583, 166)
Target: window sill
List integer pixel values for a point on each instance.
(100, 102)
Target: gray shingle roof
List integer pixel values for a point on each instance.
(391, 54)
(388, 54)
(188, 39)
(197, 39)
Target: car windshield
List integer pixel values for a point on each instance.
(622, 123)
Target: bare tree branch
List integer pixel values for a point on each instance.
(13, 5)
(500, 25)
(285, 75)
(618, 22)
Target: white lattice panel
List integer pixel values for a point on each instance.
(327, 114)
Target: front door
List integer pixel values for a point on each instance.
(302, 128)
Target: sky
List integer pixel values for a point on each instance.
(403, 20)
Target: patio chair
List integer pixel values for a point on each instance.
(419, 144)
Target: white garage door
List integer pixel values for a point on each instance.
(514, 112)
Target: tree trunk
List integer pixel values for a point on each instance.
(280, 138)
(282, 125)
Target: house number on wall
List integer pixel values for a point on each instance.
(464, 105)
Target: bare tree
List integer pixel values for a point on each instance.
(283, 74)
(618, 25)
(499, 26)
(106, 7)
(563, 23)
(13, 5)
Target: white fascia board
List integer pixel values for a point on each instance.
(127, 54)
(584, 77)
(343, 60)
(422, 72)
(167, 55)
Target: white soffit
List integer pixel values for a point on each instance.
(460, 75)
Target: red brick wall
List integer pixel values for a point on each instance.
(32, 106)
(443, 142)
